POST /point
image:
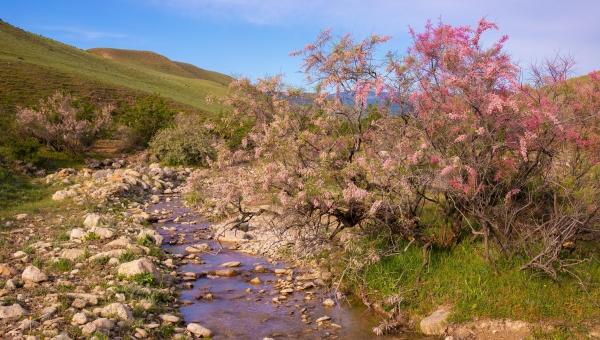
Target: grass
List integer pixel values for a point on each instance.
(62, 265)
(33, 67)
(462, 279)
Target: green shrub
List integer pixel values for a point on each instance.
(128, 256)
(188, 142)
(142, 121)
(144, 279)
(23, 149)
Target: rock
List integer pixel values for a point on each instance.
(61, 336)
(19, 254)
(91, 299)
(154, 199)
(328, 303)
(49, 310)
(121, 242)
(28, 324)
(260, 269)
(63, 194)
(326, 276)
(104, 233)
(323, 319)
(79, 303)
(92, 220)
(169, 318)
(143, 334)
(102, 174)
(20, 217)
(280, 271)
(6, 270)
(140, 266)
(88, 329)
(10, 284)
(33, 274)
(72, 254)
(14, 311)
(232, 264)
(198, 248)
(110, 253)
(118, 310)
(231, 235)
(154, 235)
(79, 319)
(199, 331)
(77, 234)
(101, 324)
(224, 272)
(435, 324)
(255, 281)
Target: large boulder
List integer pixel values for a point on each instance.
(140, 266)
(33, 274)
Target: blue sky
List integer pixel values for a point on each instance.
(253, 37)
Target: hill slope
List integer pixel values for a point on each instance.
(32, 67)
(146, 61)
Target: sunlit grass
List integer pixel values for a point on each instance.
(461, 278)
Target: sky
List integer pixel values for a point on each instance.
(254, 37)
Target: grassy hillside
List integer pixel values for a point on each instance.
(32, 67)
(147, 61)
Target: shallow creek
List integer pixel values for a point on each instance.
(241, 310)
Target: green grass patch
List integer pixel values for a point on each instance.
(62, 265)
(461, 278)
(144, 279)
(128, 256)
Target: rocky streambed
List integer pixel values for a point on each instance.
(240, 296)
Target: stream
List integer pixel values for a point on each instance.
(234, 308)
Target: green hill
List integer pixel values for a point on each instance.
(147, 61)
(33, 67)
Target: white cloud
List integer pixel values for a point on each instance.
(536, 28)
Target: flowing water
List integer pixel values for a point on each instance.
(239, 313)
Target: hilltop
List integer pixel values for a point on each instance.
(33, 67)
(148, 61)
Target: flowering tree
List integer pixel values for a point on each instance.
(470, 143)
(62, 125)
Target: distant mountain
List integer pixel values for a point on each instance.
(33, 67)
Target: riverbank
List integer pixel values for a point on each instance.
(74, 266)
(83, 260)
(389, 274)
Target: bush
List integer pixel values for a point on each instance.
(142, 121)
(64, 123)
(188, 142)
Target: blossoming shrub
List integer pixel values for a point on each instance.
(64, 124)
(469, 149)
